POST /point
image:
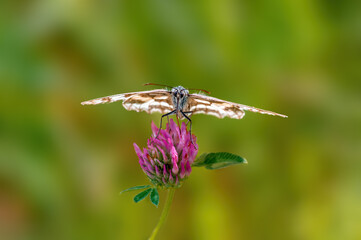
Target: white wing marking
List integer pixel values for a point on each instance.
(200, 104)
(149, 101)
(108, 99)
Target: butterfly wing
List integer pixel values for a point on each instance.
(201, 104)
(158, 100)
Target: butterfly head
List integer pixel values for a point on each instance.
(179, 97)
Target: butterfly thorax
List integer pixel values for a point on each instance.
(179, 99)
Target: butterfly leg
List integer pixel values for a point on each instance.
(168, 122)
(164, 115)
(190, 126)
(190, 114)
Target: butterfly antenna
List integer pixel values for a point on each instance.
(200, 90)
(156, 84)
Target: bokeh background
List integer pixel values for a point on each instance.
(63, 165)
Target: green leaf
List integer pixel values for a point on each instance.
(217, 160)
(154, 197)
(142, 195)
(135, 188)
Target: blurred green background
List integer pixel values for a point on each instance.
(63, 165)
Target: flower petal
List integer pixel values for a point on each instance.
(165, 159)
(154, 129)
(171, 178)
(165, 173)
(138, 151)
(174, 129)
(182, 171)
(176, 180)
(164, 181)
(149, 167)
(174, 156)
(188, 168)
(157, 171)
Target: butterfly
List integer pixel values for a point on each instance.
(178, 101)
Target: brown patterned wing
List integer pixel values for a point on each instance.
(158, 100)
(200, 104)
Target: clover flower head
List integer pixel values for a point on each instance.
(168, 158)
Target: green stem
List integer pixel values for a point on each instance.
(164, 213)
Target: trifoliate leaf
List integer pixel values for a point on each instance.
(135, 188)
(217, 160)
(154, 197)
(142, 195)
